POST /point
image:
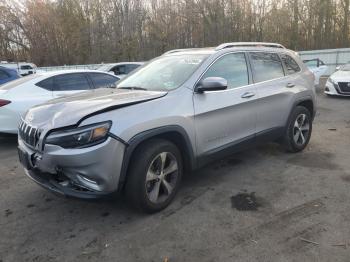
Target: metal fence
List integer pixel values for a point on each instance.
(331, 57)
(68, 67)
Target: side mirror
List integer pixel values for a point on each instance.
(211, 84)
(337, 68)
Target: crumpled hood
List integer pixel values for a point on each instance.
(70, 110)
(341, 76)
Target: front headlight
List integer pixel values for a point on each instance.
(331, 81)
(80, 137)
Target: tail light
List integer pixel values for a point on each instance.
(4, 102)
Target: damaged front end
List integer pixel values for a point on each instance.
(81, 162)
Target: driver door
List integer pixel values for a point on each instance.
(224, 119)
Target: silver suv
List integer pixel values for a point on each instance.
(174, 114)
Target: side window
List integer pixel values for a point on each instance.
(46, 84)
(290, 64)
(232, 67)
(131, 68)
(119, 70)
(311, 63)
(266, 66)
(3, 75)
(70, 82)
(102, 80)
(26, 67)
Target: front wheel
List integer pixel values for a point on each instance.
(299, 129)
(154, 175)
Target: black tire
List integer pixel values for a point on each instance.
(148, 156)
(290, 142)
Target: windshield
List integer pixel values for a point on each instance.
(345, 67)
(165, 73)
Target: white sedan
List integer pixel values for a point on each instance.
(18, 96)
(339, 82)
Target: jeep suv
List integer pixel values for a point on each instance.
(174, 114)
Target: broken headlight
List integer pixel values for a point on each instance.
(80, 137)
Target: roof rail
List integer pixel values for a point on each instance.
(248, 44)
(180, 50)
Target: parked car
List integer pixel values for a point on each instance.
(22, 68)
(338, 83)
(7, 75)
(120, 69)
(18, 96)
(178, 112)
(318, 67)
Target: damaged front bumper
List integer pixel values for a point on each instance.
(88, 173)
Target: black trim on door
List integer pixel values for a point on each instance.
(251, 141)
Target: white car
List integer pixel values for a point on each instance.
(120, 69)
(318, 67)
(18, 96)
(339, 82)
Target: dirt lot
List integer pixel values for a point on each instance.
(297, 196)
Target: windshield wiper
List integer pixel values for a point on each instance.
(133, 88)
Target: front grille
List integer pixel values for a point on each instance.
(29, 134)
(344, 87)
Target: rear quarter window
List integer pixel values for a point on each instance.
(290, 64)
(46, 84)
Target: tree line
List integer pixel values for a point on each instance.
(58, 32)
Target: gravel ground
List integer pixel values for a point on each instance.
(291, 199)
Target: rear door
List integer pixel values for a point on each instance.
(225, 118)
(275, 90)
(70, 84)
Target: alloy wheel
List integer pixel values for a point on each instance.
(301, 130)
(162, 176)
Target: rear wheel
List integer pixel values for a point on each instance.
(154, 175)
(299, 130)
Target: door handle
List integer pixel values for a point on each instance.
(290, 85)
(248, 95)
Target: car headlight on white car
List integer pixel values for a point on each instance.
(80, 137)
(331, 81)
